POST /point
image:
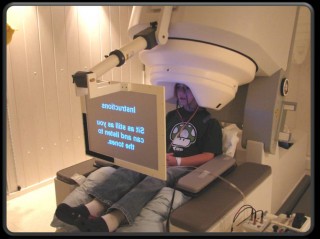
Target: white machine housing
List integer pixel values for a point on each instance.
(216, 49)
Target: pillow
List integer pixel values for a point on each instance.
(230, 139)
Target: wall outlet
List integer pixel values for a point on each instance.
(249, 225)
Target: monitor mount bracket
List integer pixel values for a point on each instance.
(87, 82)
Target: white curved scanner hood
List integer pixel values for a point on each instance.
(213, 73)
(215, 49)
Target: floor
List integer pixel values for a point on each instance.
(33, 211)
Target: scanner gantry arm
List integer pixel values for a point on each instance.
(86, 81)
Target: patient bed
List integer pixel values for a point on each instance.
(211, 210)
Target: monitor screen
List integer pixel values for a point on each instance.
(128, 129)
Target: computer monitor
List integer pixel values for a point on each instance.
(127, 128)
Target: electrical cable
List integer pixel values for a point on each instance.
(178, 134)
(234, 186)
(231, 184)
(253, 215)
(224, 180)
(261, 218)
(190, 168)
(182, 128)
(239, 190)
(240, 211)
(170, 209)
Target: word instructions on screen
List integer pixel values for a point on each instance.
(124, 125)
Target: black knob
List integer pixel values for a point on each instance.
(275, 228)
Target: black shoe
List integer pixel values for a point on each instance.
(92, 225)
(69, 214)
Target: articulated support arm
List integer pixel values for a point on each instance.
(86, 82)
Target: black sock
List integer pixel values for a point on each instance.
(92, 225)
(69, 214)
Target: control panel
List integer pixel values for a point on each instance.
(296, 222)
(283, 223)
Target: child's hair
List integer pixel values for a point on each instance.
(176, 94)
(176, 88)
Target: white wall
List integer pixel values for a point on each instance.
(51, 43)
(300, 92)
(300, 77)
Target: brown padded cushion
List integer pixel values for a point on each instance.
(84, 168)
(198, 214)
